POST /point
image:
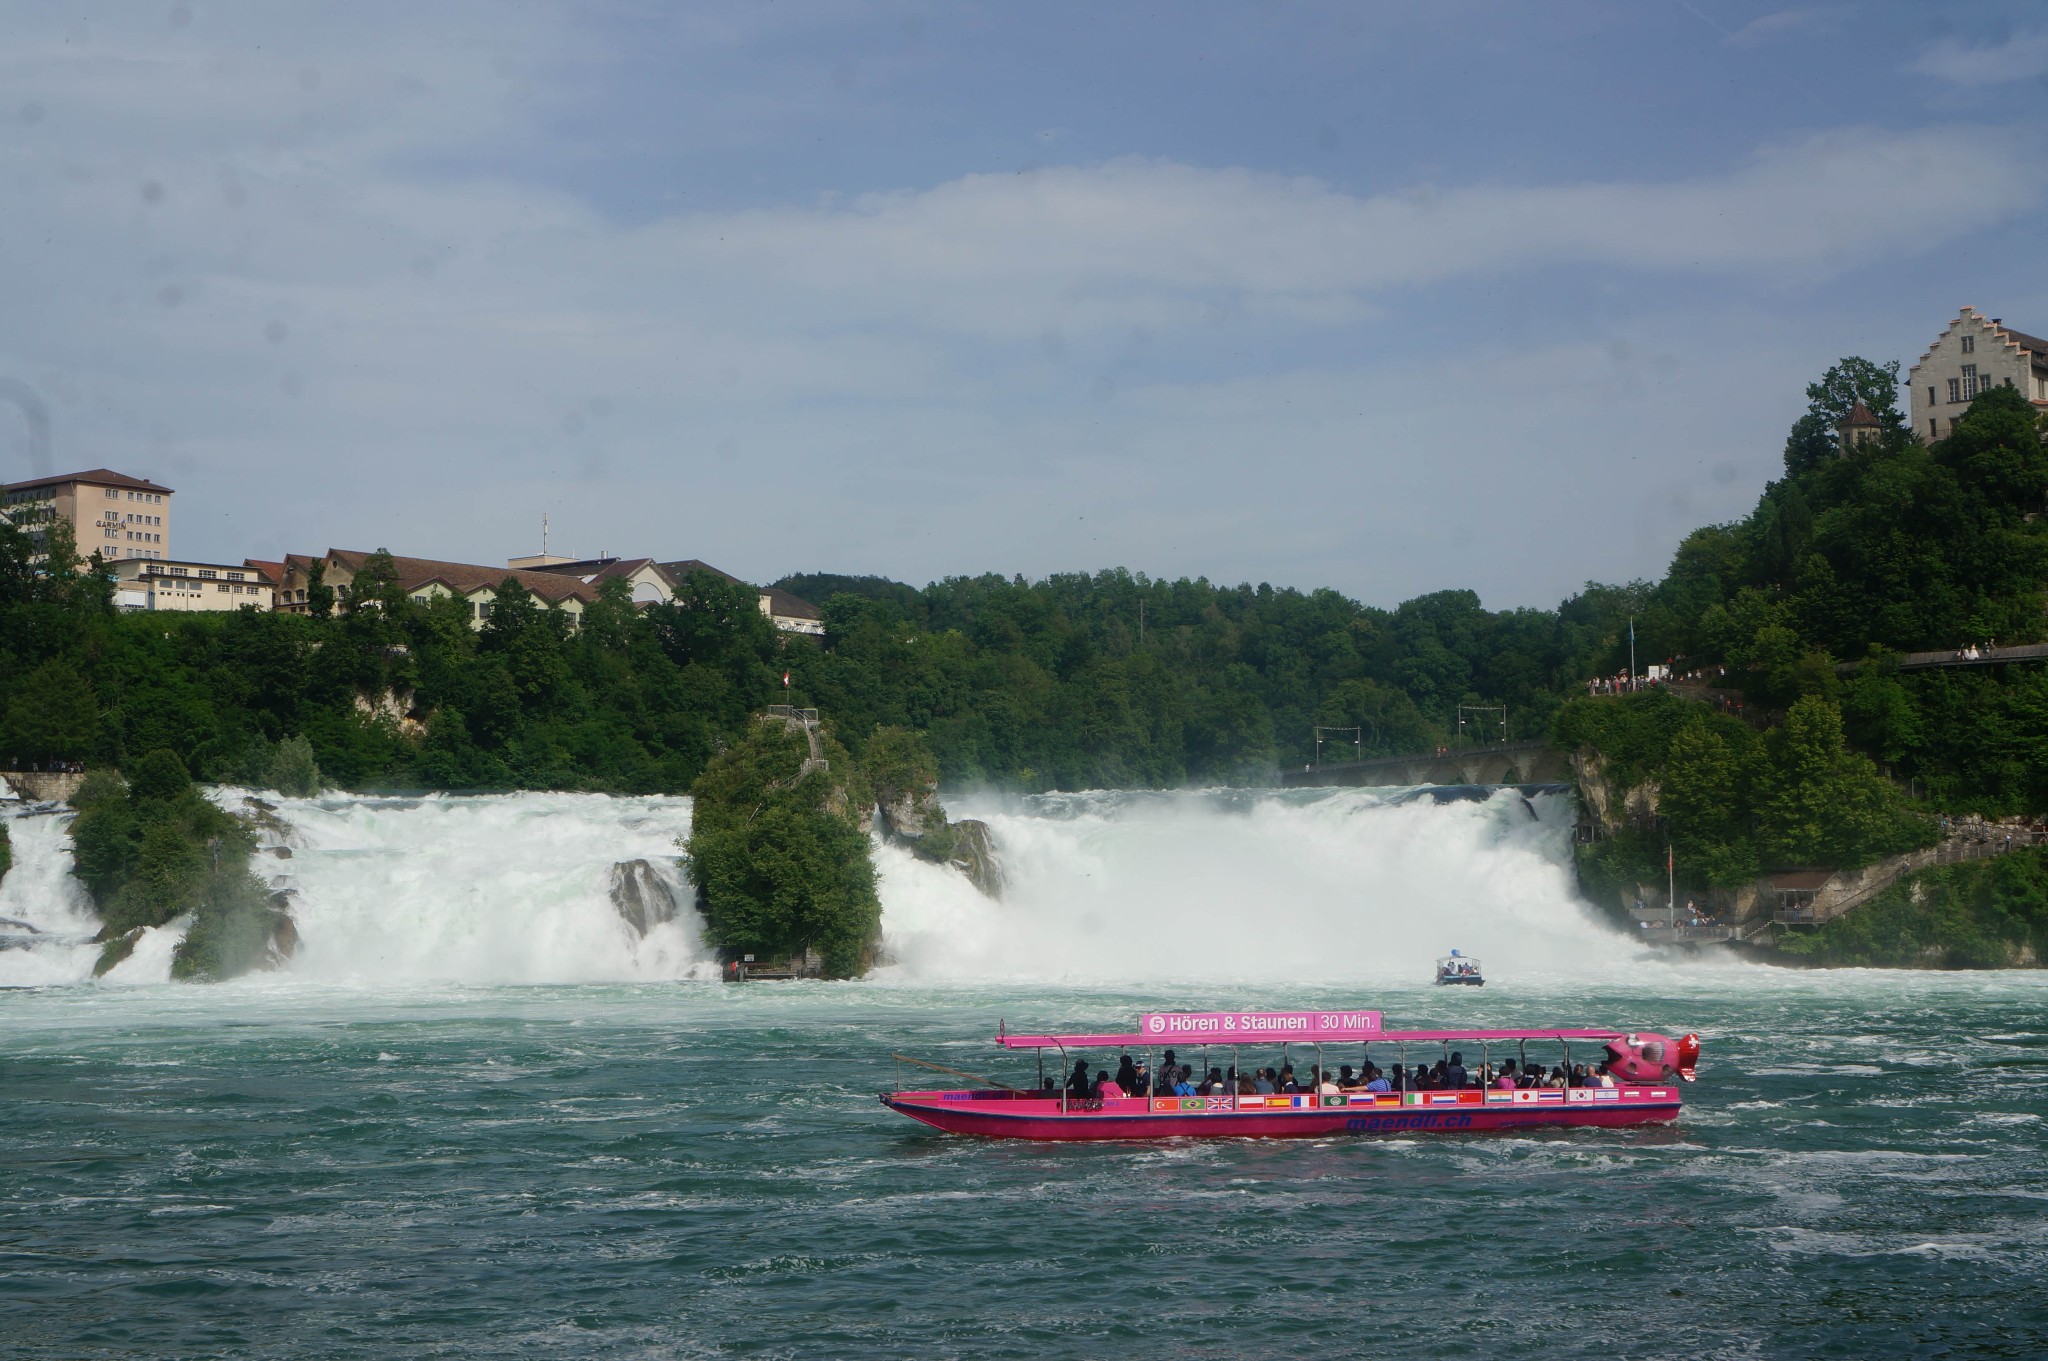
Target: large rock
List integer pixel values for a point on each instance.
(642, 897)
(974, 855)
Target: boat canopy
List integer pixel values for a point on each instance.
(1160, 1029)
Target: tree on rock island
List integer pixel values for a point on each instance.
(778, 851)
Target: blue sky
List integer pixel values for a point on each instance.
(1390, 298)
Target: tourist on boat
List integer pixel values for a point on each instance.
(1556, 1078)
(1126, 1074)
(1182, 1084)
(1324, 1085)
(1168, 1074)
(1419, 1081)
(1107, 1086)
(1439, 1076)
(1376, 1081)
(1580, 1076)
(1141, 1080)
(1078, 1083)
(1506, 1081)
(1454, 1072)
(1263, 1084)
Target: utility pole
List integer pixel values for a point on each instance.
(1631, 652)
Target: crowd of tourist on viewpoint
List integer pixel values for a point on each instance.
(1173, 1078)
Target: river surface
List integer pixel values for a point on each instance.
(687, 1169)
(476, 1115)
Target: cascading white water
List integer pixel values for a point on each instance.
(484, 889)
(1323, 885)
(52, 942)
(1104, 888)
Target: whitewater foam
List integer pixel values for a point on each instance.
(41, 892)
(508, 888)
(1222, 885)
(1105, 888)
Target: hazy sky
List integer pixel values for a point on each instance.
(1386, 297)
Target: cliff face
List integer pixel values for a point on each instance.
(1612, 806)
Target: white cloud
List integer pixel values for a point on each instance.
(268, 273)
(1766, 27)
(2020, 57)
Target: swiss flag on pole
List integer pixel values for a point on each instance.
(1667, 849)
(785, 680)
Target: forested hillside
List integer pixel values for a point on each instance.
(1107, 679)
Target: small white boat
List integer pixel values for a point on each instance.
(1457, 968)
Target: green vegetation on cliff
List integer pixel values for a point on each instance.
(1735, 802)
(156, 849)
(778, 853)
(1981, 914)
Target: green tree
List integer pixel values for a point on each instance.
(1815, 436)
(51, 716)
(778, 855)
(1704, 795)
(319, 595)
(1822, 804)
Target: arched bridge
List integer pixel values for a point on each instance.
(1531, 762)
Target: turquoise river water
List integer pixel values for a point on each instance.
(684, 1169)
(479, 1115)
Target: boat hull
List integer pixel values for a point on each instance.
(1005, 1115)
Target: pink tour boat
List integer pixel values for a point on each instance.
(1641, 1065)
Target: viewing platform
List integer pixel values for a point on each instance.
(1533, 761)
(44, 786)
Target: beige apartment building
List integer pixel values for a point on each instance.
(120, 517)
(167, 585)
(1973, 355)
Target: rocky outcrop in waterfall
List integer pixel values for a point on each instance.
(974, 855)
(778, 851)
(905, 776)
(642, 897)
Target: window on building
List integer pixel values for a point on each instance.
(1955, 390)
(1934, 427)
(1970, 380)
(208, 573)
(1969, 344)
(1930, 394)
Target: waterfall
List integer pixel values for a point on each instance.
(46, 917)
(502, 888)
(1260, 886)
(1226, 885)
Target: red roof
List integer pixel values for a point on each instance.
(100, 477)
(1859, 416)
(465, 577)
(273, 572)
